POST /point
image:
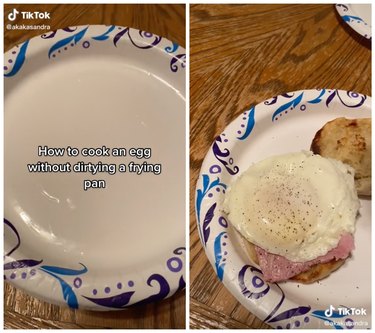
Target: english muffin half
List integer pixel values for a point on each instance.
(348, 140)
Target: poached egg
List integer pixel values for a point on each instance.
(295, 205)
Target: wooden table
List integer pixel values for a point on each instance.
(23, 311)
(241, 55)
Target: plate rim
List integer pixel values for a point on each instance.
(127, 36)
(348, 16)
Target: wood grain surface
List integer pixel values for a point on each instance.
(24, 311)
(241, 55)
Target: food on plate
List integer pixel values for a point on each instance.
(348, 140)
(298, 210)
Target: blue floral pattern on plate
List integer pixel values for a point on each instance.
(84, 37)
(348, 13)
(70, 279)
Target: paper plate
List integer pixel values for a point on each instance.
(357, 16)
(89, 238)
(283, 124)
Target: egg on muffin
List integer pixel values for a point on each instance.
(299, 210)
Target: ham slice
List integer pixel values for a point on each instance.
(277, 268)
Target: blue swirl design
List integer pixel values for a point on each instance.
(352, 95)
(116, 302)
(119, 35)
(148, 41)
(260, 289)
(68, 293)
(75, 39)
(355, 100)
(351, 18)
(19, 60)
(330, 98)
(156, 39)
(64, 271)
(206, 223)
(54, 271)
(317, 99)
(222, 154)
(201, 193)
(22, 263)
(219, 263)
(288, 105)
(178, 59)
(176, 264)
(250, 124)
(257, 282)
(163, 292)
(207, 186)
(180, 250)
(105, 36)
(172, 49)
(345, 7)
(274, 99)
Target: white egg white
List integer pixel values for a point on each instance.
(295, 205)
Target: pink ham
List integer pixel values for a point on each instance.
(276, 268)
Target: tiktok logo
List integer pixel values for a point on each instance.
(29, 15)
(13, 15)
(329, 312)
(344, 311)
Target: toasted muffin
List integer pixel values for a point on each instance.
(318, 272)
(348, 140)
